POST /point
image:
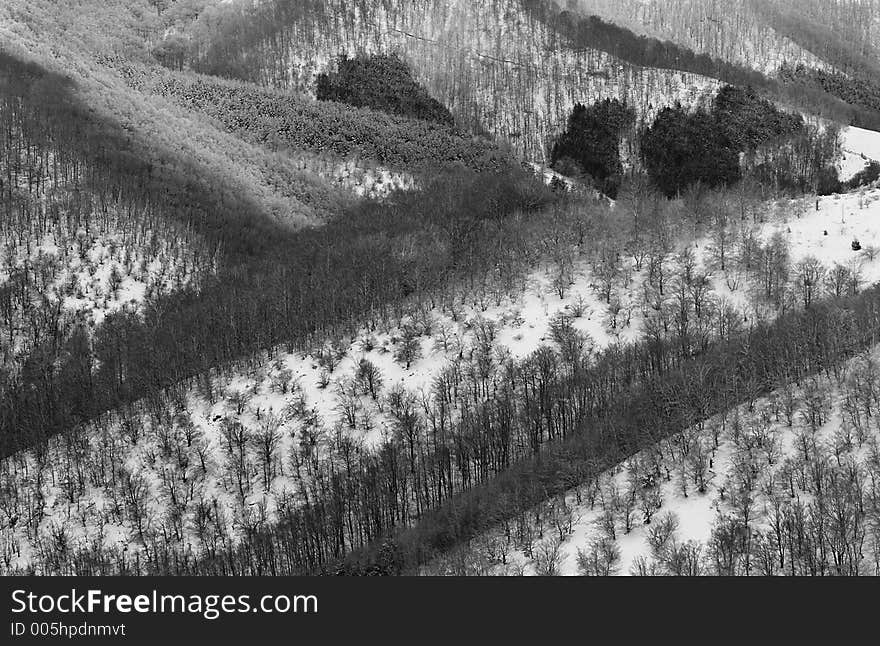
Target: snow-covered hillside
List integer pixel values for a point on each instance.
(731, 29)
(94, 274)
(270, 421)
(68, 259)
(733, 496)
(860, 147)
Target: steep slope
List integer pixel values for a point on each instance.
(289, 417)
(787, 485)
(493, 65)
(730, 30)
(299, 127)
(259, 396)
(844, 33)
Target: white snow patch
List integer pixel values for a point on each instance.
(860, 147)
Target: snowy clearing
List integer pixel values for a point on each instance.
(860, 147)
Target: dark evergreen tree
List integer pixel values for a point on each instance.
(680, 149)
(592, 140)
(381, 82)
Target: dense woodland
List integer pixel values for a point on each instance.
(494, 436)
(682, 148)
(591, 144)
(811, 511)
(739, 134)
(382, 82)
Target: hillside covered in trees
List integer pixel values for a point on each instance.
(735, 31)
(282, 291)
(495, 66)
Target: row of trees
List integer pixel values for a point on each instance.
(593, 31)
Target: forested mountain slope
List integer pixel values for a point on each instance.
(297, 126)
(733, 30)
(515, 68)
(218, 358)
(844, 33)
(492, 64)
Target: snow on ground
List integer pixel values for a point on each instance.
(73, 252)
(94, 273)
(860, 147)
(305, 399)
(761, 434)
(373, 182)
(314, 397)
(521, 325)
(379, 183)
(549, 176)
(826, 233)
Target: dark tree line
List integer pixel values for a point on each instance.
(489, 445)
(855, 89)
(866, 176)
(594, 32)
(683, 147)
(809, 510)
(839, 33)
